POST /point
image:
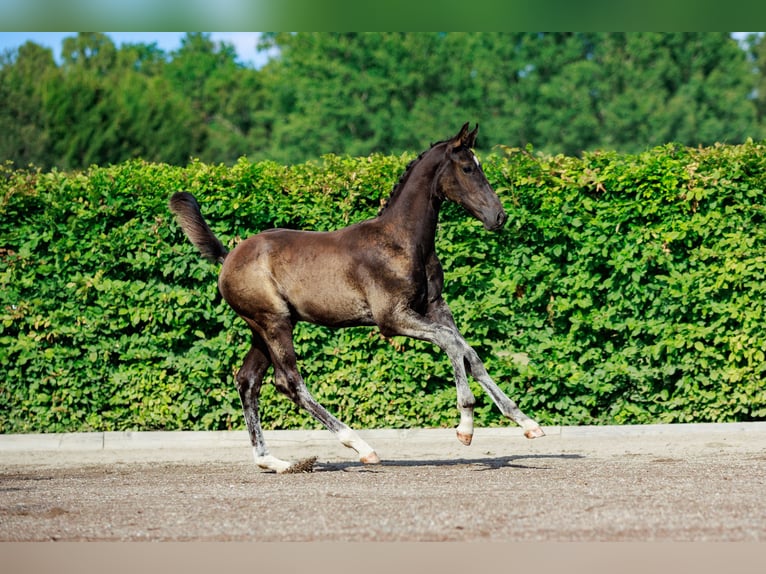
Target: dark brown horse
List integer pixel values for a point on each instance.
(383, 271)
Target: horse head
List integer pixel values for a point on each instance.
(462, 180)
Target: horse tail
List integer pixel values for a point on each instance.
(189, 217)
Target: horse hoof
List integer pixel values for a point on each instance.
(371, 458)
(536, 432)
(465, 438)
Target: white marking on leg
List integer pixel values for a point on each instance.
(465, 403)
(269, 462)
(350, 439)
(465, 428)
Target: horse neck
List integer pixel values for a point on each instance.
(414, 205)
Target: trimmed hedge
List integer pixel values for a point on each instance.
(624, 289)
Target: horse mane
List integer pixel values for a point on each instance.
(403, 178)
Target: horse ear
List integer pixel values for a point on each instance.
(471, 141)
(460, 139)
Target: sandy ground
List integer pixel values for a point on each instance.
(656, 483)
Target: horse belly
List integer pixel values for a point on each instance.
(328, 303)
(304, 273)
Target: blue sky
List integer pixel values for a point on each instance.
(243, 42)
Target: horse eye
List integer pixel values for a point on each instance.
(467, 169)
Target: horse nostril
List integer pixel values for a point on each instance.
(501, 218)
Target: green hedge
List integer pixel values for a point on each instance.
(624, 289)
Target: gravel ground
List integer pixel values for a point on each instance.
(657, 483)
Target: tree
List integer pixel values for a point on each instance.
(559, 85)
(691, 88)
(357, 93)
(561, 92)
(79, 105)
(119, 103)
(224, 95)
(349, 93)
(23, 75)
(757, 54)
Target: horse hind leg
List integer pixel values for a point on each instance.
(289, 381)
(299, 394)
(249, 381)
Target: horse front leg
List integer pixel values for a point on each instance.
(508, 407)
(439, 312)
(448, 338)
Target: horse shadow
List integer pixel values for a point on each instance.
(536, 462)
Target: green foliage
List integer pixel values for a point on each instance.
(624, 289)
(359, 93)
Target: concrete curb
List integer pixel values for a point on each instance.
(149, 440)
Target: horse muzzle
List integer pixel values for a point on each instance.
(497, 223)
